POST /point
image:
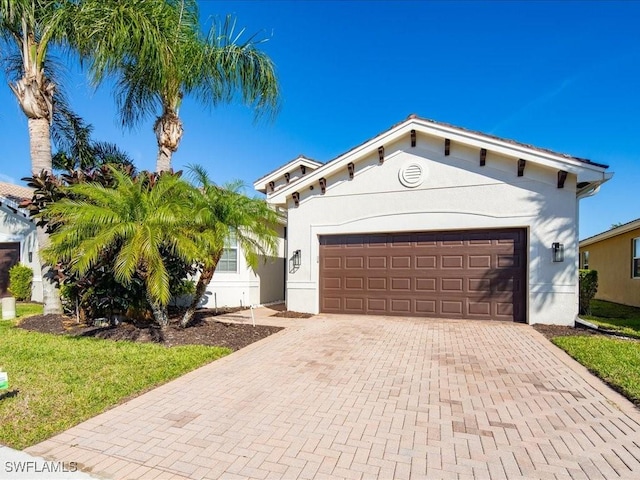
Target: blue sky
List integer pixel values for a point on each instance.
(558, 75)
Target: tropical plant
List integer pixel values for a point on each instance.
(97, 29)
(79, 152)
(20, 280)
(227, 213)
(588, 287)
(138, 218)
(215, 69)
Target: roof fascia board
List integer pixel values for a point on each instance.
(261, 182)
(585, 172)
(558, 162)
(614, 232)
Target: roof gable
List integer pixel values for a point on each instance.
(588, 174)
(286, 174)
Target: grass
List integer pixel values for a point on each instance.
(56, 381)
(26, 309)
(614, 360)
(613, 316)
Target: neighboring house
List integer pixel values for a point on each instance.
(18, 242)
(615, 255)
(431, 220)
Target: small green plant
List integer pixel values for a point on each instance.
(588, 287)
(20, 279)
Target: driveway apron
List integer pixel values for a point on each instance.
(370, 397)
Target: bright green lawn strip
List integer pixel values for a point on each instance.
(615, 361)
(613, 316)
(61, 381)
(26, 309)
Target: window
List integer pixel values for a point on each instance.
(635, 265)
(584, 260)
(229, 259)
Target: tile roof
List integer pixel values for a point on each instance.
(14, 192)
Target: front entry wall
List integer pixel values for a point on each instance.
(466, 274)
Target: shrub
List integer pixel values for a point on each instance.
(588, 280)
(20, 279)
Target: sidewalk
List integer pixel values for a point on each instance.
(17, 465)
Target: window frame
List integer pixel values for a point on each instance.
(584, 260)
(231, 245)
(635, 258)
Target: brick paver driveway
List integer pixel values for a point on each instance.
(370, 397)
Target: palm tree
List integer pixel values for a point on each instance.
(216, 68)
(138, 219)
(226, 213)
(32, 28)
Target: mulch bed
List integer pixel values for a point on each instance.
(204, 330)
(551, 331)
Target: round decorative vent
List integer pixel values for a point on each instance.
(411, 175)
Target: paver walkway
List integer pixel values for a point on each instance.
(370, 397)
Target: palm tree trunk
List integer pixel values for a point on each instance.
(201, 287)
(168, 129)
(50, 291)
(160, 313)
(40, 145)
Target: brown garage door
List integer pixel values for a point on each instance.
(462, 274)
(9, 256)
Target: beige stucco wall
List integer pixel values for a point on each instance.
(612, 258)
(456, 193)
(14, 227)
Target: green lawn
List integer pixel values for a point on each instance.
(57, 381)
(25, 309)
(616, 317)
(616, 361)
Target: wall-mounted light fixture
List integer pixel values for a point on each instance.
(558, 252)
(297, 258)
(30, 256)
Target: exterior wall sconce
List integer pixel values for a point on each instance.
(297, 258)
(381, 155)
(30, 256)
(558, 252)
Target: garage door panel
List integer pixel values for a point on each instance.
(332, 263)
(400, 306)
(479, 308)
(401, 261)
(401, 283)
(354, 283)
(452, 261)
(452, 307)
(377, 283)
(426, 284)
(376, 262)
(426, 307)
(352, 304)
(377, 305)
(426, 261)
(471, 274)
(9, 256)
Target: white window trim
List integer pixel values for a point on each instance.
(232, 247)
(635, 255)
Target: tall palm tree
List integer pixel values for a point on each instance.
(215, 68)
(225, 213)
(30, 29)
(139, 218)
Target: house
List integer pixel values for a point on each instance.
(18, 242)
(615, 255)
(431, 220)
(236, 284)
